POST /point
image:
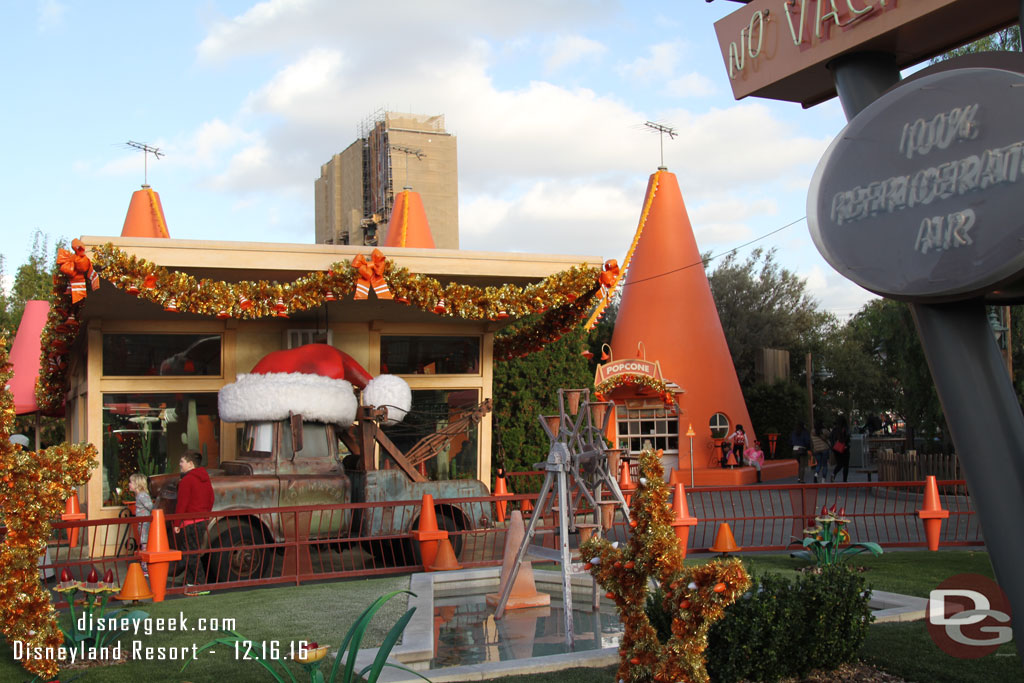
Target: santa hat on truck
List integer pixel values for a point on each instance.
(316, 381)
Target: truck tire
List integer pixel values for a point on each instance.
(237, 565)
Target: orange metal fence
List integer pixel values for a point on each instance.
(343, 541)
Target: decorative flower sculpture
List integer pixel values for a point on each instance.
(696, 597)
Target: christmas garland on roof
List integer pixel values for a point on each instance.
(562, 301)
(612, 383)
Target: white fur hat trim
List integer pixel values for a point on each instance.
(390, 391)
(273, 395)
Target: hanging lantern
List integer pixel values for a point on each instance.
(329, 296)
(149, 282)
(133, 290)
(171, 306)
(440, 308)
(502, 315)
(244, 302)
(221, 314)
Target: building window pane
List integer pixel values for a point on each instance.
(656, 426)
(719, 424)
(434, 410)
(407, 355)
(135, 355)
(148, 432)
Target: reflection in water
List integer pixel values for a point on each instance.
(466, 632)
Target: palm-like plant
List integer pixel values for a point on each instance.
(823, 543)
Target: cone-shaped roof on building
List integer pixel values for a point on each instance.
(408, 226)
(25, 356)
(145, 215)
(667, 306)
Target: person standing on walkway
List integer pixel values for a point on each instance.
(820, 447)
(840, 439)
(754, 457)
(801, 440)
(195, 494)
(738, 443)
(138, 484)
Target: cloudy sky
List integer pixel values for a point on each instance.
(547, 98)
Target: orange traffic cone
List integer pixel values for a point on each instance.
(158, 555)
(135, 585)
(527, 507)
(427, 532)
(524, 591)
(724, 541)
(932, 513)
(445, 559)
(73, 513)
(683, 520)
(625, 481)
(500, 489)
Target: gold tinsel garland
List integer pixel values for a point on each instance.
(561, 300)
(34, 487)
(696, 597)
(612, 383)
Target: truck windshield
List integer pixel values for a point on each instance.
(314, 440)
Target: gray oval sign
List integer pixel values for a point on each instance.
(921, 196)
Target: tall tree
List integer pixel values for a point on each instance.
(1007, 39)
(32, 280)
(527, 387)
(762, 304)
(885, 329)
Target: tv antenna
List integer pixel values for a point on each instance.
(661, 130)
(408, 151)
(146, 151)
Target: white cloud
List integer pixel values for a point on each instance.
(565, 51)
(298, 86)
(50, 14)
(834, 292)
(692, 84)
(660, 64)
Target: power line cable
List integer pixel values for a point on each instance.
(716, 256)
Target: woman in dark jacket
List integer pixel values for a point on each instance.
(840, 439)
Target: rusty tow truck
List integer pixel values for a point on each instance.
(301, 460)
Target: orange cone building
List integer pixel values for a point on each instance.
(408, 226)
(668, 335)
(145, 215)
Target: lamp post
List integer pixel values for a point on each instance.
(690, 433)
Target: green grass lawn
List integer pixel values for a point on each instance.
(323, 612)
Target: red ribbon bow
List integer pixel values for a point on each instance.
(609, 276)
(371, 276)
(77, 267)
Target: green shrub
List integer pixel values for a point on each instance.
(784, 628)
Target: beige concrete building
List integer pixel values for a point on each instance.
(356, 188)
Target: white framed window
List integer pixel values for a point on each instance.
(650, 423)
(719, 424)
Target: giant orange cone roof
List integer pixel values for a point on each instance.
(408, 226)
(667, 305)
(145, 215)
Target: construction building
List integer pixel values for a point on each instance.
(356, 190)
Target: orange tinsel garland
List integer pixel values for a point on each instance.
(33, 489)
(696, 597)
